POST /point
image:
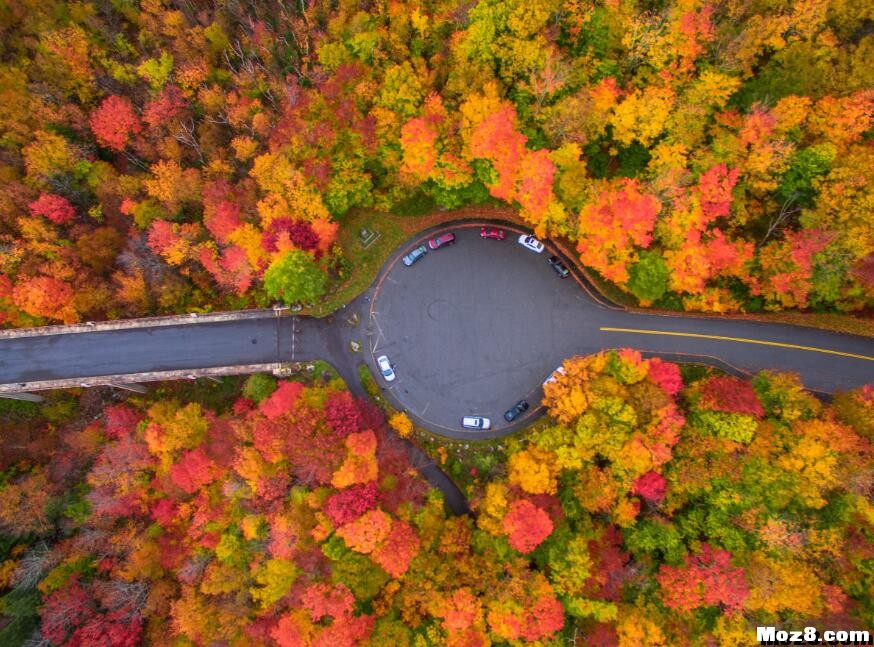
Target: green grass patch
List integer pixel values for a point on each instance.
(367, 381)
(321, 368)
(366, 263)
(610, 290)
(417, 204)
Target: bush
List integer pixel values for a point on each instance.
(259, 386)
(367, 381)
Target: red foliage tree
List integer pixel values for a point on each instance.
(193, 471)
(64, 610)
(162, 236)
(297, 232)
(282, 400)
(707, 579)
(121, 421)
(609, 571)
(616, 221)
(342, 413)
(119, 465)
(110, 630)
(334, 601)
(350, 503)
(714, 189)
(222, 220)
(545, 618)
(231, 269)
(666, 375)
(496, 139)
(398, 550)
(732, 395)
(526, 525)
(114, 122)
(269, 438)
(313, 451)
(652, 486)
(54, 207)
(168, 104)
(164, 512)
(602, 635)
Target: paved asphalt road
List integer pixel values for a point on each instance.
(164, 348)
(471, 329)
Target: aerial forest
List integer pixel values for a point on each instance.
(187, 156)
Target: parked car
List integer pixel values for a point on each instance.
(493, 232)
(386, 368)
(476, 422)
(414, 255)
(518, 409)
(559, 267)
(530, 242)
(442, 240)
(554, 375)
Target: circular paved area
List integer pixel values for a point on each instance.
(474, 327)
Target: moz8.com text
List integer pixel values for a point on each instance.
(811, 636)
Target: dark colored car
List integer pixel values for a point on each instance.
(414, 255)
(493, 232)
(518, 409)
(556, 264)
(441, 241)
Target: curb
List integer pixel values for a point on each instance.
(134, 378)
(140, 322)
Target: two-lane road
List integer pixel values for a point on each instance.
(826, 361)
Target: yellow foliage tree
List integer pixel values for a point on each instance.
(273, 579)
(534, 470)
(402, 424)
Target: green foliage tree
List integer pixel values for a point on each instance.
(259, 386)
(295, 278)
(648, 278)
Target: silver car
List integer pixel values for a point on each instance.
(530, 242)
(385, 367)
(414, 255)
(476, 422)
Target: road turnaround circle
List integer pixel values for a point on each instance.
(472, 328)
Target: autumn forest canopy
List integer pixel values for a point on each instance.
(164, 156)
(651, 507)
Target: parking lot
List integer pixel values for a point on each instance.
(474, 327)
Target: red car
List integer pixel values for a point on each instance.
(441, 241)
(493, 232)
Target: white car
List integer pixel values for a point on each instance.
(385, 367)
(530, 242)
(476, 422)
(554, 375)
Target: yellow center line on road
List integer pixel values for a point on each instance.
(739, 339)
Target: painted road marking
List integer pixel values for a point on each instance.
(739, 339)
